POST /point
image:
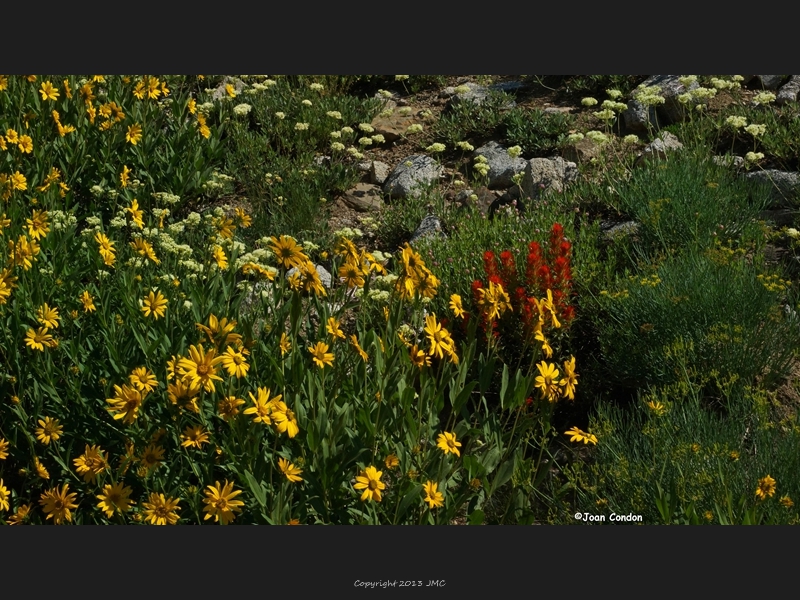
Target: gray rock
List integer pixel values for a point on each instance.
(508, 86)
(501, 166)
(582, 151)
(476, 94)
(789, 90)
(220, 91)
(672, 111)
(462, 198)
(364, 197)
(410, 177)
(659, 147)
(547, 174)
(379, 172)
(771, 82)
(393, 126)
(638, 116)
(512, 198)
(613, 230)
(784, 186)
(558, 110)
(729, 160)
(324, 275)
(430, 227)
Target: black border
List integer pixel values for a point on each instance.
(415, 39)
(530, 561)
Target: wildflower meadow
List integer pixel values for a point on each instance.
(188, 337)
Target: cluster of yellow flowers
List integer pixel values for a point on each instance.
(549, 384)
(416, 277)
(358, 264)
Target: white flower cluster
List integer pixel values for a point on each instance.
(481, 165)
(241, 110)
(736, 122)
(166, 198)
(378, 296)
(436, 147)
(597, 137)
(170, 246)
(725, 84)
(414, 128)
(753, 156)
(191, 265)
(763, 98)
(349, 233)
(385, 282)
(612, 105)
(649, 95)
(756, 130)
(62, 220)
(353, 151)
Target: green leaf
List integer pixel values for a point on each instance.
(408, 499)
(256, 488)
(491, 459)
(503, 475)
(504, 386)
(460, 399)
(487, 370)
(476, 518)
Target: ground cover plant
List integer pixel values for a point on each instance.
(189, 335)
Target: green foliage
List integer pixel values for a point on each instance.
(538, 133)
(471, 121)
(672, 460)
(171, 157)
(687, 201)
(693, 315)
(275, 161)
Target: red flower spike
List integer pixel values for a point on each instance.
(490, 263)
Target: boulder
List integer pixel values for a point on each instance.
(638, 116)
(411, 176)
(547, 174)
(789, 90)
(665, 142)
(784, 186)
(364, 197)
(501, 166)
(430, 227)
